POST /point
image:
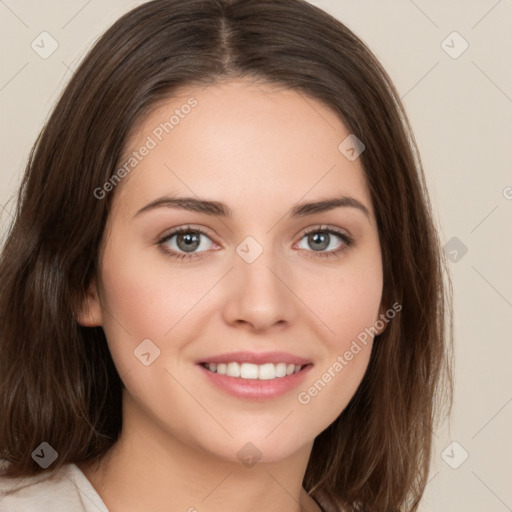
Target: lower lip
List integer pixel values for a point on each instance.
(256, 389)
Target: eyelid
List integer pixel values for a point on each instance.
(185, 228)
(343, 234)
(326, 227)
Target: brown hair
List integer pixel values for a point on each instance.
(58, 382)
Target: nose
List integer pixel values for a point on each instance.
(260, 295)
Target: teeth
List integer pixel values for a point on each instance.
(267, 371)
(233, 370)
(281, 370)
(247, 371)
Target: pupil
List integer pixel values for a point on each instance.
(323, 239)
(191, 242)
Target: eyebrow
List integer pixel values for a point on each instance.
(218, 209)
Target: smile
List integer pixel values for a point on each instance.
(267, 371)
(257, 382)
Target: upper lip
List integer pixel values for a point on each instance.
(256, 358)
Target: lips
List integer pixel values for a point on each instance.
(255, 358)
(238, 373)
(255, 388)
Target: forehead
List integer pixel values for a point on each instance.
(240, 140)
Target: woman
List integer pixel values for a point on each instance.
(223, 289)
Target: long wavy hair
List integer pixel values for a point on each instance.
(58, 382)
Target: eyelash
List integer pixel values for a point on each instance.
(347, 242)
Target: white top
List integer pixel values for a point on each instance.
(64, 490)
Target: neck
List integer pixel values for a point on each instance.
(150, 469)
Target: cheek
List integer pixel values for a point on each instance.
(349, 307)
(145, 296)
(348, 300)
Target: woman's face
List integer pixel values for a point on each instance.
(265, 277)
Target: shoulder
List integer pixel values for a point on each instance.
(66, 489)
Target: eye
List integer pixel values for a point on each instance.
(183, 242)
(321, 238)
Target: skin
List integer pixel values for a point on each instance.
(260, 150)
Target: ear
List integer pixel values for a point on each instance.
(90, 314)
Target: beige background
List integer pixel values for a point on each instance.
(461, 111)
